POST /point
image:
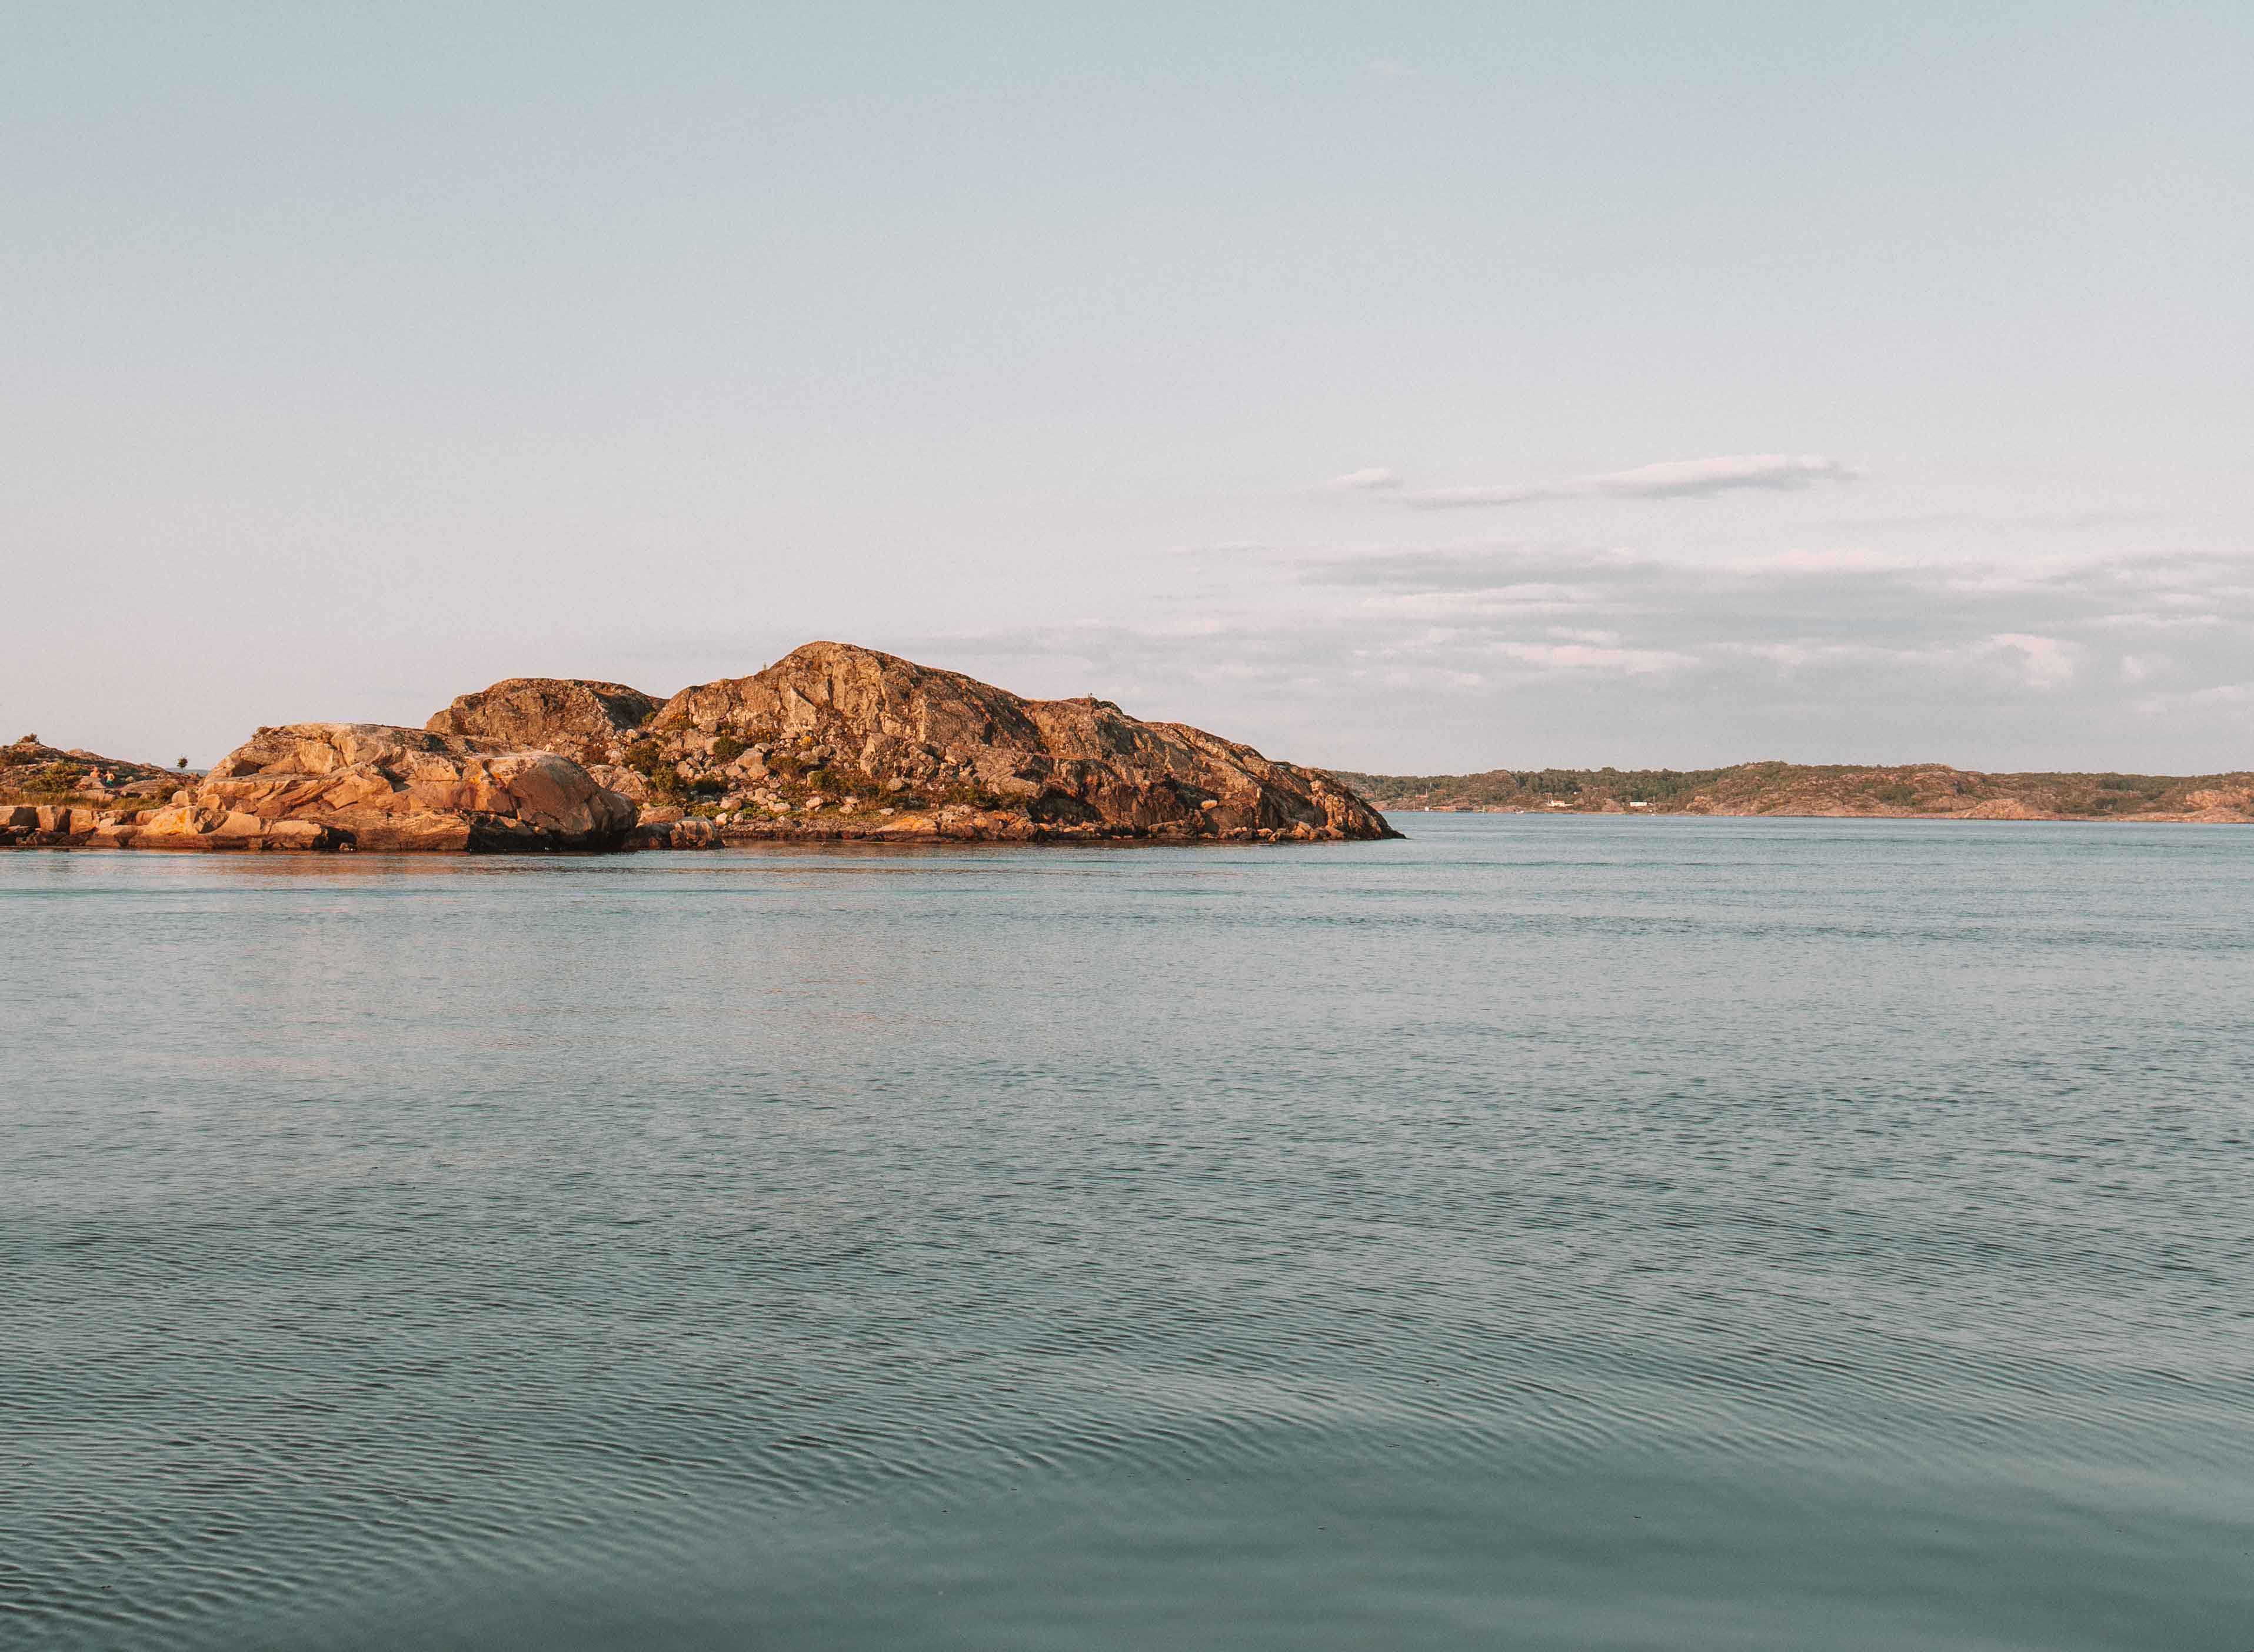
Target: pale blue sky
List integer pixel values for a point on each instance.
(355, 357)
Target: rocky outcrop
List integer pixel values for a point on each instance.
(2003, 808)
(31, 768)
(670, 829)
(180, 826)
(344, 785)
(53, 797)
(838, 740)
(54, 823)
(832, 743)
(371, 787)
(585, 721)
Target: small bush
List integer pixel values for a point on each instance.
(848, 782)
(968, 794)
(727, 748)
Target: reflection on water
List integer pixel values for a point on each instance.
(1552, 1234)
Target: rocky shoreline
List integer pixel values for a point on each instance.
(832, 743)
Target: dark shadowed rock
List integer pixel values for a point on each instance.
(871, 726)
(582, 720)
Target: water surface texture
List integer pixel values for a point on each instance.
(1576, 1233)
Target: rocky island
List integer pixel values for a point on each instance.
(832, 743)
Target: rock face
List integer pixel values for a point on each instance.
(2002, 808)
(29, 768)
(832, 743)
(571, 716)
(368, 786)
(835, 740)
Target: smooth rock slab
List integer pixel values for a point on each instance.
(371, 786)
(573, 717)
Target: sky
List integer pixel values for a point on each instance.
(1405, 387)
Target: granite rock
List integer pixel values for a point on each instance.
(853, 719)
(373, 787)
(585, 720)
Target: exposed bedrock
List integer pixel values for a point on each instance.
(573, 717)
(873, 725)
(832, 743)
(372, 787)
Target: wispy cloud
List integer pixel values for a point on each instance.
(1582, 656)
(1479, 568)
(1994, 630)
(2218, 696)
(1702, 477)
(1457, 656)
(2051, 521)
(1674, 478)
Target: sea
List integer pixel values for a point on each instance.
(1597, 1233)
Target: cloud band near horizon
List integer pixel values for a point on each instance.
(1671, 478)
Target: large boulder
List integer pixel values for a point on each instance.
(50, 824)
(370, 786)
(583, 720)
(1079, 766)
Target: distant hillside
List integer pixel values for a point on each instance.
(1917, 789)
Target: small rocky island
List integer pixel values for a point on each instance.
(832, 743)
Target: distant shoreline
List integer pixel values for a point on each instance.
(1907, 820)
(1925, 791)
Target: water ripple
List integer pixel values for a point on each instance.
(1740, 1236)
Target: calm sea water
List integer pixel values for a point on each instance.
(1578, 1234)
